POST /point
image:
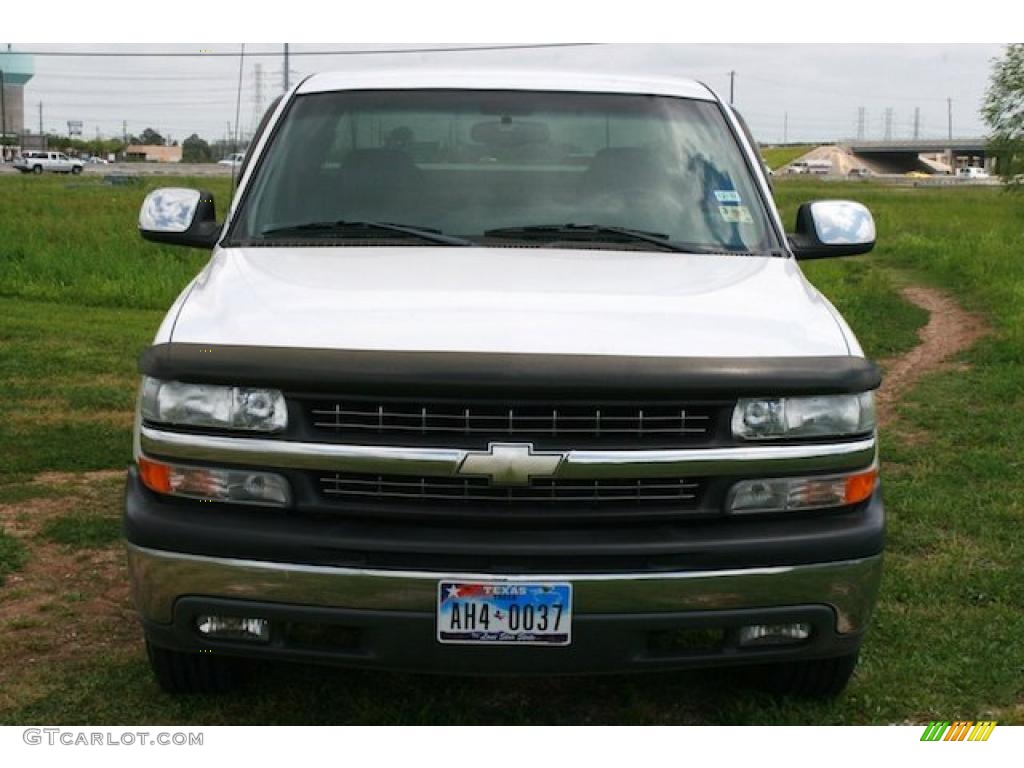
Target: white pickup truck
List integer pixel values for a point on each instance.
(37, 161)
(504, 373)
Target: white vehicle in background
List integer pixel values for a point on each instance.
(819, 167)
(972, 172)
(37, 161)
(235, 159)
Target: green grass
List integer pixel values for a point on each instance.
(869, 300)
(83, 530)
(68, 380)
(945, 641)
(12, 491)
(776, 157)
(12, 554)
(75, 242)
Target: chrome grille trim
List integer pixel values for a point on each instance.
(746, 460)
(401, 487)
(454, 420)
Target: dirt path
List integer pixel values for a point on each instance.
(950, 330)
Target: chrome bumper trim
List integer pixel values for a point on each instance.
(159, 578)
(444, 462)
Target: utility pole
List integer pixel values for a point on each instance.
(257, 99)
(286, 67)
(949, 116)
(861, 117)
(785, 128)
(41, 120)
(124, 132)
(917, 122)
(888, 123)
(732, 82)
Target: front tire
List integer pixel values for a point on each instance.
(189, 673)
(811, 678)
(37, 169)
(75, 170)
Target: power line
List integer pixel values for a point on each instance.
(833, 92)
(131, 78)
(355, 52)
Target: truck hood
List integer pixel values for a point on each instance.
(512, 300)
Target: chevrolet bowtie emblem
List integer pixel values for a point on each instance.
(510, 463)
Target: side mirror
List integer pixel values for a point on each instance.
(828, 228)
(178, 216)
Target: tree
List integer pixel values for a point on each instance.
(1003, 110)
(196, 150)
(151, 138)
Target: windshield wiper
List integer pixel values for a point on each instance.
(598, 231)
(353, 228)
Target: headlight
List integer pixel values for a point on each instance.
(206, 405)
(768, 418)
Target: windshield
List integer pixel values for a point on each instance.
(504, 167)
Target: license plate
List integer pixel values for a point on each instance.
(504, 613)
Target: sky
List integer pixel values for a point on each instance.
(793, 92)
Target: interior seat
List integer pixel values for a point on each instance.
(619, 169)
(379, 184)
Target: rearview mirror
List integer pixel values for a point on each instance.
(178, 216)
(827, 228)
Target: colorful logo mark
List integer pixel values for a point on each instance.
(961, 730)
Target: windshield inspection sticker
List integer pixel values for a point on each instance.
(735, 214)
(727, 196)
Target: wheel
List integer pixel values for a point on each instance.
(818, 678)
(75, 170)
(179, 672)
(37, 169)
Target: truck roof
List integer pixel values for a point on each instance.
(518, 80)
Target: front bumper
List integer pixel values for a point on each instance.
(387, 617)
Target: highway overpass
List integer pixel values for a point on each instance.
(903, 155)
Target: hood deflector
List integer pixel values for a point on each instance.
(421, 374)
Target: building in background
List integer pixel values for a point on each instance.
(16, 69)
(152, 153)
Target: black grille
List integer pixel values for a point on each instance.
(470, 425)
(575, 499)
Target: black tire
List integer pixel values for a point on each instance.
(75, 170)
(178, 672)
(813, 678)
(37, 169)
